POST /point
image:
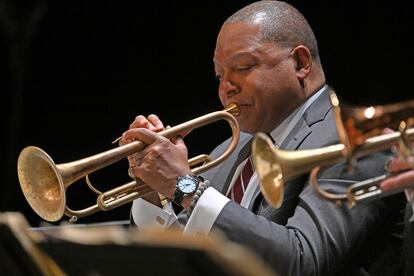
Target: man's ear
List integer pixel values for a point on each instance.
(303, 59)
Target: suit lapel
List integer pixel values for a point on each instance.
(297, 136)
(302, 130)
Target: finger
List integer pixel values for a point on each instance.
(156, 122)
(122, 141)
(136, 158)
(139, 121)
(400, 181)
(142, 122)
(181, 135)
(132, 161)
(131, 173)
(179, 142)
(399, 164)
(144, 135)
(134, 172)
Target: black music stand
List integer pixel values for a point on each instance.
(19, 253)
(115, 250)
(14, 258)
(76, 259)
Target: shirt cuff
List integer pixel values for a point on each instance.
(147, 215)
(206, 212)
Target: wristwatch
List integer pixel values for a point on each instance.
(186, 185)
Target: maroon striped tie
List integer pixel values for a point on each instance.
(237, 191)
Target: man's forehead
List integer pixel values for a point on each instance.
(238, 38)
(243, 28)
(243, 49)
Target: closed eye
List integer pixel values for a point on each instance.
(244, 68)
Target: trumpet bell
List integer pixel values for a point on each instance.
(268, 168)
(275, 167)
(41, 183)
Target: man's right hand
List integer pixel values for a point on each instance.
(153, 123)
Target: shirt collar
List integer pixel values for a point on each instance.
(280, 133)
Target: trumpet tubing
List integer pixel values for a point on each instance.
(358, 131)
(356, 124)
(275, 167)
(44, 183)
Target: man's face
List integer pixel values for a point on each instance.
(257, 75)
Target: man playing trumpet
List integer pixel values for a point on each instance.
(267, 62)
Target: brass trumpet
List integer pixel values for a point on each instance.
(44, 183)
(358, 129)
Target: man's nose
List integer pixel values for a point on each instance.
(228, 88)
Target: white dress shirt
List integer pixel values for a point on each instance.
(212, 201)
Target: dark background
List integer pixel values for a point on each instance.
(74, 74)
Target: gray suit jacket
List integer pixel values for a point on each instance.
(309, 235)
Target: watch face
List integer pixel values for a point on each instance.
(187, 185)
